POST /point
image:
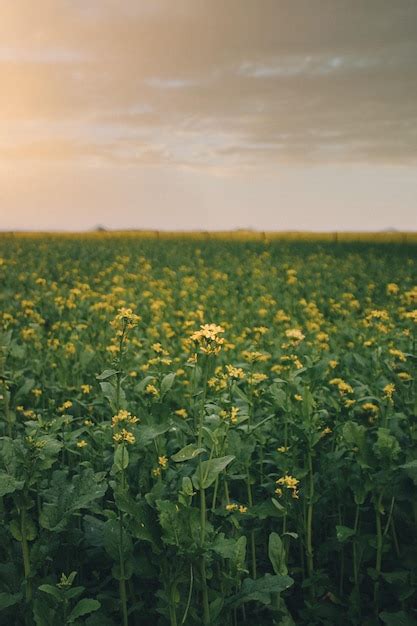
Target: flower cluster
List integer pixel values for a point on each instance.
(290, 483)
(207, 338)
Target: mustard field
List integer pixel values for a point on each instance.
(208, 429)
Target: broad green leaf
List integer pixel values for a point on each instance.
(276, 553)
(106, 374)
(52, 591)
(400, 618)
(343, 533)
(260, 590)
(167, 382)
(188, 452)
(121, 457)
(83, 607)
(210, 470)
(9, 484)
(9, 599)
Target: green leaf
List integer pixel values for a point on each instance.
(210, 470)
(106, 374)
(121, 457)
(343, 533)
(167, 383)
(260, 590)
(276, 553)
(83, 607)
(9, 484)
(188, 452)
(386, 446)
(146, 434)
(67, 495)
(9, 599)
(52, 591)
(399, 618)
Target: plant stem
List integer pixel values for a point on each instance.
(378, 560)
(309, 521)
(25, 554)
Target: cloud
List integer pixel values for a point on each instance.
(195, 83)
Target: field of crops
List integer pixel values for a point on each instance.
(207, 432)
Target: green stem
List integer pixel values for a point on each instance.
(203, 510)
(378, 559)
(309, 521)
(25, 554)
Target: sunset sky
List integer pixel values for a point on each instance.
(211, 114)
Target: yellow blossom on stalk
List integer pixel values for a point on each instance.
(298, 397)
(207, 338)
(37, 392)
(65, 405)
(163, 461)
(124, 436)
(88, 423)
(235, 373)
(343, 386)
(86, 389)
(125, 417)
(295, 335)
(253, 356)
(232, 507)
(243, 509)
(233, 414)
(404, 376)
(256, 378)
(392, 288)
(126, 319)
(283, 449)
(411, 315)
(349, 402)
(151, 390)
(398, 354)
(290, 483)
(389, 391)
(181, 413)
(370, 407)
(156, 471)
(325, 431)
(82, 443)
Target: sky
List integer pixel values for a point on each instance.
(208, 114)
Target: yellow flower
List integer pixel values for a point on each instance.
(86, 388)
(398, 354)
(181, 413)
(295, 335)
(233, 414)
(242, 509)
(207, 338)
(123, 416)
(389, 391)
(156, 472)
(283, 449)
(151, 390)
(163, 461)
(82, 443)
(124, 436)
(235, 373)
(37, 392)
(290, 483)
(65, 405)
(232, 507)
(370, 407)
(125, 319)
(404, 376)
